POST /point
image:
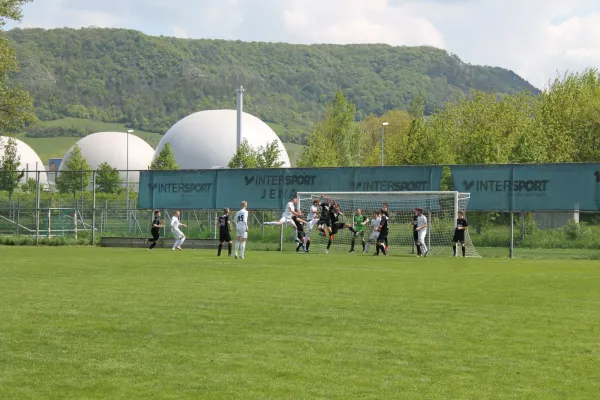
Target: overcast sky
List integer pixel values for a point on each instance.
(534, 38)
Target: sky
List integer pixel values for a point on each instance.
(537, 39)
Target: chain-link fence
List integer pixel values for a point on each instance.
(35, 212)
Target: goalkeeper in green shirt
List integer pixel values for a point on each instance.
(359, 223)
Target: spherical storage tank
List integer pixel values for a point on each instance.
(111, 147)
(208, 139)
(29, 160)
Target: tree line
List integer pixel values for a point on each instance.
(561, 124)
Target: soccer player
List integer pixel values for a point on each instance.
(359, 222)
(324, 223)
(241, 228)
(224, 226)
(288, 213)
(385, 208)
(311, 221)
(300, 231)
(413, 224)
(422, 230)
(459, 233)
(334, 216)
(179, 236)
(375, 221)
(155, 231)
(383, 231)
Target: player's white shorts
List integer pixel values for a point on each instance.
(310, 225)
(287, 220)
(241, 233)
(374, 235)
(422, 235)
(177, 234)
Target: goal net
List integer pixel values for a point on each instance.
(440, 208)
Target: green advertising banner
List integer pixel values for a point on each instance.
(271, 188)
(543, 187)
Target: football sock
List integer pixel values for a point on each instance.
(329, 244)
(383, 250)
(243, 245)
(418, 249)
(237, 247)
(220, 248)
(298, 247)
(307, 244)
(464, 250)
(229, 248)
(454, 249)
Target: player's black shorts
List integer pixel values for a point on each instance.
(459, 236)
(224, 236)
(155, 234)
(382, 237)
(327, 223)
(301, 235)
(415, 235)
(336, 227)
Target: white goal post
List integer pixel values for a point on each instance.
(441, 209)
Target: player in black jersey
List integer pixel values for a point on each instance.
(300, 223)
(155, 230)
(416, 233)
(383, 232)
(334, 216)
(224, 225)
(386, 209)
(459, 233)
(324, 223)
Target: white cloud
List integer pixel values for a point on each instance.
(535, 38)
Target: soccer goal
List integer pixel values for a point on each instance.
(440, 208)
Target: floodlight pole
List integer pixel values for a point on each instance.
(240, 109)
(383, 125)
(127, 179)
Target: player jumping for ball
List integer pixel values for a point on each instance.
(334, 215)
(311, 220)
(288, 213)
(324, 223)
(224, 226)
(459, 233)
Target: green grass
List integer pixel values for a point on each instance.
(100, 323)
(48, 148)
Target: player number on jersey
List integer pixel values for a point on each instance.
(240, 218)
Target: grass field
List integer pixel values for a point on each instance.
(48, 148)
(100, 323)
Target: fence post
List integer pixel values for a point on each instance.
(281, 238)
(18, 213)
(522, 227)
(37, 209)
(75, 223)
(49, 223)
(93, 208)
(512, 234)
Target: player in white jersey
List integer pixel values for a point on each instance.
(288, 213)
(241, 229)
(375, 221)
(422, 230)
(177, 234)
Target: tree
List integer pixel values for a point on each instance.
(77, 175)
(165, 160)
(16, 107)
(10, 172)
(108, 179)
(336, 140)
(30, 186)
(263, 157)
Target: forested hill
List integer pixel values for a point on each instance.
(117, 75)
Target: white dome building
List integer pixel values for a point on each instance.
(111, 147)
(208, 139)
(30, 161)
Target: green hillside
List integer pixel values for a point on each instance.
(148, 83)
